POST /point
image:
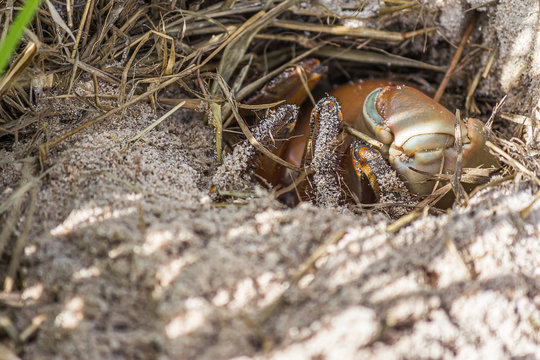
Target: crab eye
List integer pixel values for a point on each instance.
(374, 120)
(370, 108)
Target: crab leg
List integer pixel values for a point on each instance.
(382, 182)
(288, 86)
(237, 169)
(326, 122)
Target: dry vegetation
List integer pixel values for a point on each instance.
(100, 61)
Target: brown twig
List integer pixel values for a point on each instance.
(513, 162)
(457, 55)
(370, 57)
(458, 144)
(340, 30)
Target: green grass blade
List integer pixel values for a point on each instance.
(15, 33)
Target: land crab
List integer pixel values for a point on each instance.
(416, 137)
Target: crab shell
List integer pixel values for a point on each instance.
(418, 133)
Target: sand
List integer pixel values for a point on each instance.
(129, 257)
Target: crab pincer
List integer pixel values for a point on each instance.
(342, 169)
(419, 136)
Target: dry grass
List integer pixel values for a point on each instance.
(210, 57)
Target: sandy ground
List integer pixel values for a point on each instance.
(129, 258)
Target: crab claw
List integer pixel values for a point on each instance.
(374, 180)
(419, 134)
(362, 161)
